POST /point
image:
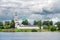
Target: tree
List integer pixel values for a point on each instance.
(12, 24)
(35, 22)
(48, 23)
(1, 25)
(58, 25)
(39, 24)
(25, 22)
(52, 28)
(51, 22)
(7, 25)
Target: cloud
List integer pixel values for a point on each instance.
(31, 9)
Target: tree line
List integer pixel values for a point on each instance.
(48, 24)
(7, 25)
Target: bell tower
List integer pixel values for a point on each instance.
(16, 20)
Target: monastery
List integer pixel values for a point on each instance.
(21, 26)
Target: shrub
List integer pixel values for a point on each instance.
(6, 26)
(52, 28)
(46, 27)
(1, 27)
(58, 25)
(34, 30)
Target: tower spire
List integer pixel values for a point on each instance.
(16, 20)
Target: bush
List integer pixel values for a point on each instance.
(1, 27)
(6, 26)
(34, 30)
(46, 27)
(52, 28)
(25, 22)
(58, 25)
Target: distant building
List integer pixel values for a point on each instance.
(16, 20)
(21, 26)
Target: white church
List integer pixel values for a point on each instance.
(21, 26)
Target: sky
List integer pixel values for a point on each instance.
(31, 9)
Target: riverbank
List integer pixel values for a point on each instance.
(27, 30)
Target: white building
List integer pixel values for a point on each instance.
(16, 20)
(21, 26)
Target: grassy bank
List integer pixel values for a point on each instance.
(27, 30)
(7, 30)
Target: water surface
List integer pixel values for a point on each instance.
(30, 36)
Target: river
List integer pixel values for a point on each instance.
(29, 35)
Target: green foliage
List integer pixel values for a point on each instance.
(27, 30)
(46, 27)
(34, 30)
(58, 25)
(25, 22)
(48, 23)
(52, 28)
(51, 22)
(49, 26)
(39, 24)
(35, 22)
(7, 25)
(12, 24)
(1, 25)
